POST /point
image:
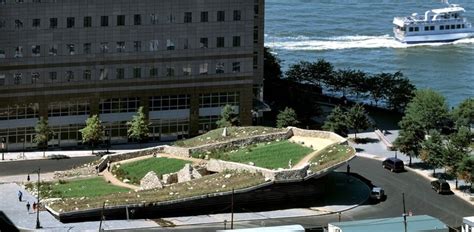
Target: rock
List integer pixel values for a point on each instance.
(150, 181)
(267, 179)
(228, 176)
(309, 172)
(206, 157)
(126, 181)
(251, 164)
(224, 132)
(185, 174)
(223, 186)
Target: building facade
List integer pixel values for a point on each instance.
(181, 60)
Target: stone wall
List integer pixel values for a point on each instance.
(128, 155)
(319, 134)
(384, 140)
(178, 151)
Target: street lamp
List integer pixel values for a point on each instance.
(38, 225)
(2, 146)
(395, 154)
(23, 151)
(108, 134)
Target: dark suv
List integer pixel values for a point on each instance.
(441, 186)
(393, 164)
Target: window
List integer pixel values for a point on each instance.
(203, 69)
(169, 45)
(35, 50)
(137, 73)
(463, 26)
(236, 41)
(237, 15)
(36, 23)
(70, 22)
(120, 20)
(171, 18)
(453, 26)
(169, 71)
(255, 10)
(427, 28)
(69, 76)
(458, 26)
(219, 99)
(87, 75)
(219, 67)
(153, 72)
(88, 21)
(121, 46)
(104, 21)
(153, 19)
(203, 42)
(172, 102)
(188, 17)
(53, 76)
(2, 54)
(235, 67)
(137, 46)
(255, 34)
(204, 17)
(119, 105)
(104, 47)
(137, 19)
(103, 74)
(53, 50)
(18, 52)
(70, 49)
(410, 29)
(35, 77)
(154, 45)
(87, 48)
(432, 28)
(417, 29)
(187, 70)
(220, 42)
(53, 22)
(120, 73)
(2, 79)
(220, 16)
(3, 23)
(17, 77)
(441, 27)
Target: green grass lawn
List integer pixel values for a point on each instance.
(91, 187)
(272, 155)
(331, 156)
(135, 171)
(215, 136)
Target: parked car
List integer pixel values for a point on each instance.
(377, 193)
(393, 164)
(441, 186)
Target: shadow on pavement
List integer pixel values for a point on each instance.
(6, 224)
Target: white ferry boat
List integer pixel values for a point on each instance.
(437, 25)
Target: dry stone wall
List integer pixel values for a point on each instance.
(319, 134)
(150, 181)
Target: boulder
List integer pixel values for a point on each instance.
(150, 181)
(185, 174)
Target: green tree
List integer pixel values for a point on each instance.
(466, 170)
(315, 73)
(44, 133)
(286, 118)
(336, 122)
(377, 86)
(400, 92)
(357, 119)
(271, 65)
(228, 117)
(138, 127)
(409, 140)
(433, 150)
(93, 132)
(463, 115)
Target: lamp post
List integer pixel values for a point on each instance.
(23, 150)
(395, 154)
(108, 134)
(38, 225)
(2, 146)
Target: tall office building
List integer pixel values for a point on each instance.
(181, 60)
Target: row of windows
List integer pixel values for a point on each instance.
(442, 27)
(18, 78)
(19, 112)
(219, 99)
(119, 105)
(118, 47)
(68, 109)
(173, 102)
(121, 20)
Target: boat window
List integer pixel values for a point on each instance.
(463, 26)
(427, 28)
(417, 29)
(410, 29)
(453, 26)
(458, 26)
(446, 27)
(441, 27)
(432, 28)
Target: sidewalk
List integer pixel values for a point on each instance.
(17, 213)
(377, 150)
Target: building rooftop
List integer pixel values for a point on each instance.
(414, 224)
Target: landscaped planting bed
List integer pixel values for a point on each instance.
(215, 136)
(271, 155)
(330, 156)
(135, 171)
(221, 182)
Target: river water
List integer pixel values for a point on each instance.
(357, 34)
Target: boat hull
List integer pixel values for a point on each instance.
(439, 38)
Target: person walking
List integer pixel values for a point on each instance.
(28, 207)
(348, 168)
(108, 165)
(34, 206)
(20, 195)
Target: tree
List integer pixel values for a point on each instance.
(44, 133)
(286, 118)
(377, 86)
(336, 122)
(271, 65)
(315, 73)
(138, 127)
(409, 140)
(228, 117)
(433, 150)
(93, 132)
(357, 119)
(400, 92)
(463, 115)
(466, 170)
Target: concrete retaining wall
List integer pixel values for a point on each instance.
(319, 134)
(129, 155)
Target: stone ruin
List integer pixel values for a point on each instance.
(150, 181)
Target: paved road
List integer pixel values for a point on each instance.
(419, 196)
(24, 167)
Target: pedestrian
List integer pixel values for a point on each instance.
(28, 206)
(20, 195)
(108, 165)
(348, 168)
(34, 206)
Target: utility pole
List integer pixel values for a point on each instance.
(232, 211)
(101, 217)
(404, 212)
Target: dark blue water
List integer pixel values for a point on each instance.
(358, 34)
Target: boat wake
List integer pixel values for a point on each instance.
(302, 43)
